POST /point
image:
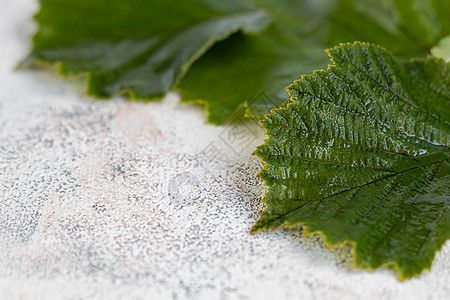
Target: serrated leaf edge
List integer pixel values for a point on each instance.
(254, 230)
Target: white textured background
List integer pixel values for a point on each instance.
(112, 200)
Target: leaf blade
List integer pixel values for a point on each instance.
(145, 49)
(346, 168)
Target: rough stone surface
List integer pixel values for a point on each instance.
(122, 200)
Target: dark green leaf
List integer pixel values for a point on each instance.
(145, 47)
(267, 62)
(361, 153)
(238, 71)
(142, 46)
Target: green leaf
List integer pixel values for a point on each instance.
(144, 47)
(267, 62)
(361, 154)
(239, 70)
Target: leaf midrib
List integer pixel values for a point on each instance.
(360, 186)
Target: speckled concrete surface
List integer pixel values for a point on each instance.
(120, 200)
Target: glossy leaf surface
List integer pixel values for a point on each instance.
(361, 153)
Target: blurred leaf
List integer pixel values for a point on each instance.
(239, 70)
(145, 47)
(142, 46)
(267, 62)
